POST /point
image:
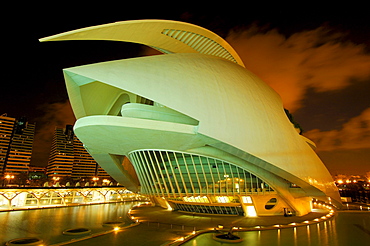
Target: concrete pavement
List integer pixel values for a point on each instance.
(161, 227)
(151, 214)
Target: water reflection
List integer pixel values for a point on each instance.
(346, 228)
(48, 224)
(308, 233)
(339, 231)
(318, 232)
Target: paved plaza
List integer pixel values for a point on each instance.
(159, 226)
(151, 214)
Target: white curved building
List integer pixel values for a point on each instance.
(201, 132)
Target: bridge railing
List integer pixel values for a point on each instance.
(24, 197)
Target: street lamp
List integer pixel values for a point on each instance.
(95, 179)
(56, 178)
(9, 178)
(56, 181)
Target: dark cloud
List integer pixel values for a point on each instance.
(349, 161)
(329, 110)
(55, 115)
(324, 79)
(307, 59)
(354, 134)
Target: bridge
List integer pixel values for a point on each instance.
(43, 197)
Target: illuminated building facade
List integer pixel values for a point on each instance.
(68, 157)
(6, 130)
(202, 133)
(16, 141)
(61, 153)
(83, 164)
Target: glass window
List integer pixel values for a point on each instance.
(247, 199)
(271, 203)
(192, 174)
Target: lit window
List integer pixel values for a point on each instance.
(271, 203)
(222, 199)
(198, 199)
(247, 199)
(251, 211)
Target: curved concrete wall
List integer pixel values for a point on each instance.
(202, 99)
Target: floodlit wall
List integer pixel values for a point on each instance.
(248, 112)
(197, 100)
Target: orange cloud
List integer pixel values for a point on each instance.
(291, 64)
(355, 134)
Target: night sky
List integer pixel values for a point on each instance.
(316, 58)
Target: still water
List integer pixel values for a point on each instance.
(346, 228)
(48, 224)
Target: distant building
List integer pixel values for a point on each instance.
(37, 169)
(61, 153)
(16, 140)
(83, 164)
(68, 157)
(6, 130)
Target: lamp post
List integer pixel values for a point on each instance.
(9, 177)
(95, 179)
(56, 181)
(106, 182)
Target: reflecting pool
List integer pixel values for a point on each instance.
(48, 224)
(346, 228)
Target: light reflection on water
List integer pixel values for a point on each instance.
(343, 230)
(48, 224)
(346, 228)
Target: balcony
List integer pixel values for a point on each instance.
(145, 111)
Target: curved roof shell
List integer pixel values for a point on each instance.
(165, 36)
(233, 106)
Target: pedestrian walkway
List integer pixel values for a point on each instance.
(159, 226)
(149, 214)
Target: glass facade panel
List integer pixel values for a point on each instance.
(167, 173)
(236, 210)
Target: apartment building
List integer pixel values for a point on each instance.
(16, 141)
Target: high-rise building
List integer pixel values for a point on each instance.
(6, 131)
(16, 141)
(83, 164)
(68, 157)
(61, 153)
